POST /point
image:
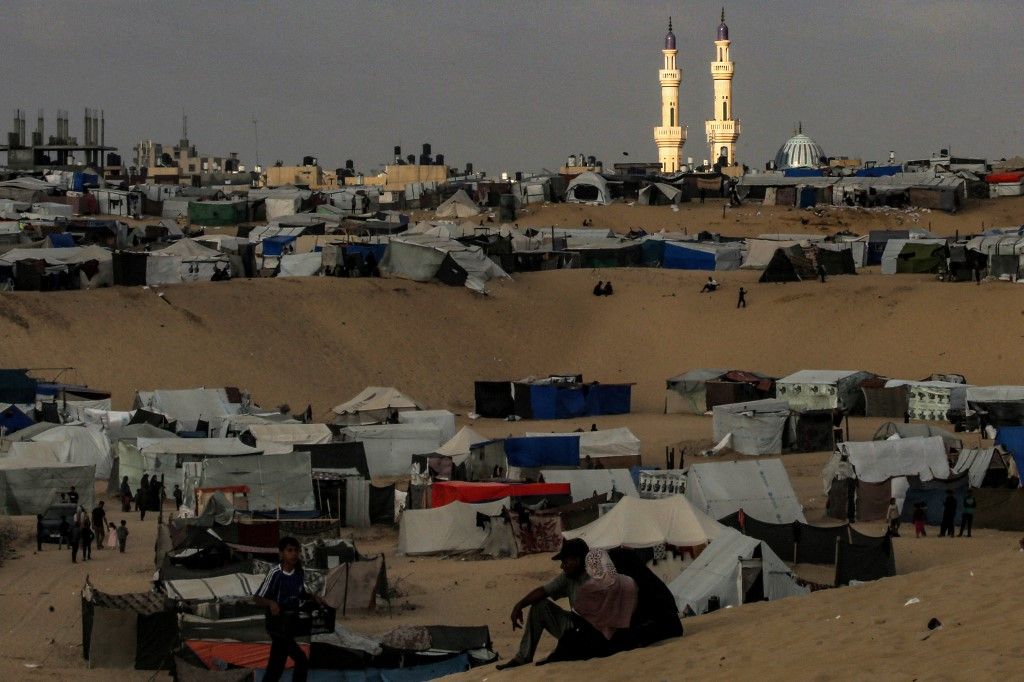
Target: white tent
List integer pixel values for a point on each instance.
(880, 460)
(443, 420)
(458, 205)
(189, 406)
(373, 405)
(638, 523)
(761, 488)
(584, 483)
(459, 445)
(932, 400)
(822, 389)
(301, 264)
(389, 447)
(186, 260)
(164, 456)
(72, 255)
(30, 484)
(728, 569)
(279, 438)
(618, 442)
(275, 481)
(588, 188)
(756, 426)
(282, 204)
(420, 257)
(87, 445)
(451, 528)
(672, 194)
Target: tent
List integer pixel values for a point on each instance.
(300, 264)
(638, 523)
(585, 483)
(659, 194)
(87, 445)
(836, 261)
(276, 482)
(983, 467)
(458, 446)
(447, 492)
(216, 213)
(883, 401)
(588, 188)
(166, 455)
(390, 447)
(913, 256)
(788, 264)
(760, 252)
(128, 631)
(442, 419)
(757, 427)
(895, 430)
(374, 405)
(32, 482)
(188, 407)
(423, 258)
(702, 256)
(557, 450)
(186, 260)
(812, 389)
(997, 405)
(458, 205)
(451, 528)
(612, 448)
(687, 392)
(557, 399)
(932, 400)
(736, 569)
(13, 420)
(279, 438)
(761, 488)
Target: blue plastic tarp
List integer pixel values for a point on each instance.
(571, 402)
(274, 246)
(12, 419)
(364, 250)
(877, 171)
(802, 173)
(1012, 438)
(544, 401)
(682, 257)
(808, 197)
(413, 673)
(608, 399)
(653, 251)
(61, 240)
(933, 495)
(532, 453)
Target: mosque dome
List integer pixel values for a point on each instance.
(670, 37)
(799, 151)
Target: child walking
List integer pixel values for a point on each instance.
(919, 521)
(122, 536)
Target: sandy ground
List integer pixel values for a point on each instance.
(320, 341)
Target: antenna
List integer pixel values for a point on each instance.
(184, 125)
(256, 131)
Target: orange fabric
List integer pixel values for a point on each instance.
(446, 492)
(242, 654)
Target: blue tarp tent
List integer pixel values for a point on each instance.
(877, 171)
(16, 386)
(60, 240)
(551, 401)
(532, 453)
(653, 251)
(12, 419)
(933, 494)
(608, 398)
(363, 250)
(274, 246)
(1012, 438)
(685, 257)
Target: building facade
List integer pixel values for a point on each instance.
(670, 136)
(723, 130)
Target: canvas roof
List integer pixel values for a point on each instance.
(87, 446)
(189, 250)
(987, 394)
(639, 523)
(718, 571)
(458, 205)
(58, 256)
(458, 447)
(375, 399)
(880, 460)
(389, 447)
(618, 442)
(442, 419)
(279, 438)
(188, 406)
(584, 483)
(208, 447)
(273, 480)
(761, 488)
(588, 179)
(451, 528)
(756, 426)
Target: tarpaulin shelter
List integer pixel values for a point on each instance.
(913, 256)
(810, 431)
(884, 401)
(997, 405)
(447, 492)
(423, 258)
(216, 213)
(757, 427)
(864, 558)
(896, 430)
(390, 447)
(1000, 509)
(165, 456)
(1011, 438)
(736, 569)
(493, 399)
(760, 252)
(588, 188)
(788, 264)
(451, 528)
(836, 262)
(13, 420)
(17, 387)
(760, 488)
(701, 256)
(458, 205)
(585, 483)
(128, 631)
(276, 482)
(932, 400)
(565, 400)
(86, 445)
(443, 420)
(280, 438)
(186, 260)
(983, 466)
(811, 389)
(638, 523)
(687, 392)
(459, 446)
(611, 448)
(374, 405)
(31, 483)
(659, 194)
(532, 453)
(189, 407)
(300, 264)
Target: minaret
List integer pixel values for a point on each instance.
(724, 129)
(670, 136)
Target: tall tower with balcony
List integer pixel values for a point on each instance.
(724, 129)
(670, 136)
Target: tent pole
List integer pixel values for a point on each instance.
(339, 506)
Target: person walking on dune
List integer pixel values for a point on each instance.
(948, 514)
(918, 519)
(741, 302)
(967, 515)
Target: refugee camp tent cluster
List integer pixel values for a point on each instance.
(556, 397)
(945, 192)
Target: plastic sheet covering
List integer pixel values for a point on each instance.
(300, 264)
(451, 528)
(757, 427)
(638, 523)
(878, 461)
(817, 544)
(28, 485)
(864, 559)
(275, 481)
(220, 587)
(584, 483)
(761, 488)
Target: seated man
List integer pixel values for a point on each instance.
(608, 291)
(599, 289)
(710, 285)
(544, 613)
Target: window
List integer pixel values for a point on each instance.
(671, 116)
(725, 110)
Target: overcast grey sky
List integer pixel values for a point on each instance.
(518, 85)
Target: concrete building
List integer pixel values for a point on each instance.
(396, 177)
(61, 150)
(724, 129)
(309, 175)
(180, 162)
(670, 136)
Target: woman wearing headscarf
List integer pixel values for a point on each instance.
(604, 605)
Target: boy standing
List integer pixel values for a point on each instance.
(892, 515)
(281, 593)
(122, 536)
(87, 536)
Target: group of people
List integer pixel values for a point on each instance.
(603, 289)
(948, 524)
(712, 285)
(617, 603)
(149, 496)
(83, 530)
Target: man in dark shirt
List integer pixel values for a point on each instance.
(99, 524)
(967, 515)
(179, 497)
(281, 593)
(948, 514)
(73, 496)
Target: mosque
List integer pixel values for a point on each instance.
(722, 131)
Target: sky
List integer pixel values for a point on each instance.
(518, 85)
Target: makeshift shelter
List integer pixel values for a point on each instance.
(280, 438)
(459, 446)
(86, 445)
(884, 401)
(447, 492)
(811, 389)
(390, 447)
(914, 256)
(659, 194)
(585, 483)
(423, 258)
(983, 466)
(836, 262)
(735, 569)
(190, 407)
(458, 205)
(32, 482)
(737, 386)
(788, 264)
(216, 213)
(300, 264)
(374, 405)
(687, 392)
(760, 252)
(810, 431)
(186, 260)
(451, 528)
(932, 400)
(609, 448)
(128, 631)
(997, 405)
(588, 188)
(931, 495)
(761, 488)
(864, 558)
(702, 256)
(555, 398)
(756, 427)
(165, 456)
(493, 399)
(638, 523)
(443, 420)
(275, 482)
